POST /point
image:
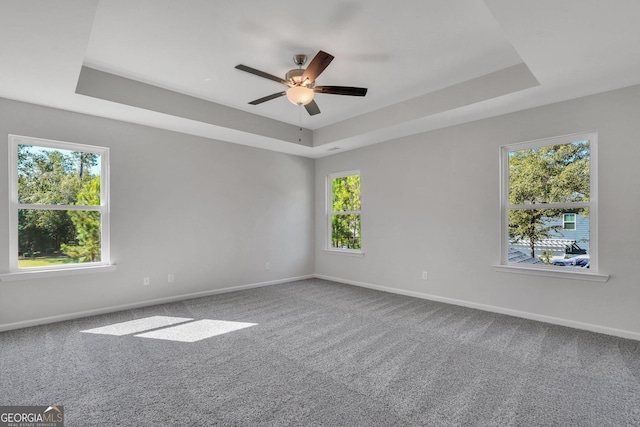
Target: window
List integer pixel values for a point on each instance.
(59, 205)
(569, 221)
(343, 212)
(549, 206)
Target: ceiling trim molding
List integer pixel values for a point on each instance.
(122, 90)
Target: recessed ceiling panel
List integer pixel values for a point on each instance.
(397, 52)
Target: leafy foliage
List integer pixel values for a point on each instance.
(345, 220)
(54, 177)
(87, 224)
(552, 174)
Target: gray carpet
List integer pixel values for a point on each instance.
(326, 354)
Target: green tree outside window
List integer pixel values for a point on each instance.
(345, 217)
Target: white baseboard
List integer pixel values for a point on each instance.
(139, 304)
(494, 309)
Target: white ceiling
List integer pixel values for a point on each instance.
(427, 63)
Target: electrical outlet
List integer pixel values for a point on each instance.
(424, 275)
(146, 281)
(170, 278)
(267, 266)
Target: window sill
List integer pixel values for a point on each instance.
(58, 272)
(575, 274)
(345, 252)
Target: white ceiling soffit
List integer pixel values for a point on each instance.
(427, 64)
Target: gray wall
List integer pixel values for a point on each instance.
(213, 213)
(430, 202)
(209, 212)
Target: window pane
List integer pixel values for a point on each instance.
(57, 176)
(551, 174)
(345, 231)
(52, 237)
(346, 193)
(536, 236)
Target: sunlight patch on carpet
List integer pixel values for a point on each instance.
(138, 325)
(161, 328)
(196, 331)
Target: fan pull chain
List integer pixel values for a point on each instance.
(300, 123)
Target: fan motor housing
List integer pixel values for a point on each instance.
(295, 77)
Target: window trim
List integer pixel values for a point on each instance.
(24, 274)
(547, 270)
(16, 273)
(329, 214)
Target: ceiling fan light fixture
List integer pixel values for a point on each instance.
(300, 95)
(301, 83)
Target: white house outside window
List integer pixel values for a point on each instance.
(549, 204)
(59, 205)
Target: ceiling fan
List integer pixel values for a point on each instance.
(302, 82)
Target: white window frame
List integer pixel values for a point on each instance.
(593, 273)
(104, 264)
(329, 214)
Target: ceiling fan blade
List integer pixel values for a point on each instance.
(312, 108)
(317, 66)
(267, 98)
(261, 74)
(341, 90)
